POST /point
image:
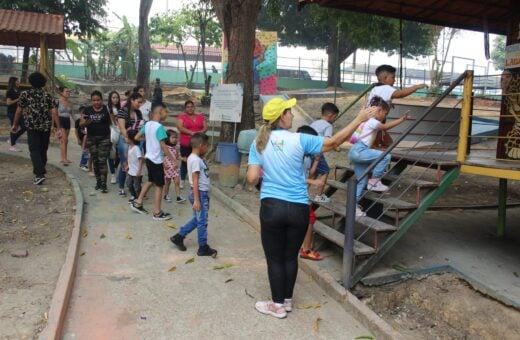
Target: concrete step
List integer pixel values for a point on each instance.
(389, 201)
(338, 239)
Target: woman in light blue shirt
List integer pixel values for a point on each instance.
(284, 210)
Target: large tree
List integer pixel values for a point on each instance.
(145, 50)
(341, 32)
(82, 18)
(498, 54)
(238, 21)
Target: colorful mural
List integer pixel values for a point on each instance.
(264, 62)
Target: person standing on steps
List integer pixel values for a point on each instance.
(284, 209)
(65, 113)
(11, 98)
(188, 124)
(96, 118)
(40, 115)
(157, 96)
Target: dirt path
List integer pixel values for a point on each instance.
(37, 221)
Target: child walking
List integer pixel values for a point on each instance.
(155, 151)
(323, 127)
(134, 167)
(361, 154)
(171, 169)
(199, 197)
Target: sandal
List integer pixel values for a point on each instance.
(310, 255)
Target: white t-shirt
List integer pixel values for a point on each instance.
(134, 154)
(154, 133)
(196, 164)
(145, 109)
(366, 132)
(322, 127)
(383, 91)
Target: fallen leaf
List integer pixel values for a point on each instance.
(171, 225)
(128, 236)
(190, 260)
(83, 253)
(44, 224)
(102, 236)
(318, 305)
(27, 200)
(227, 265)
(45, 189)
(228, 280)
(364, 337)
(28, 192)
(172, 269)
(92, 193)
(317, 324)
(304, 306)
(45, 316)
(85, 233)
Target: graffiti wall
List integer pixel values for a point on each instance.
(264, 62)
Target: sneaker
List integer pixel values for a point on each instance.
(131, 200)
(122, 192)
(287, 305)
(310, 255)
(321, 198)
(97, 187)
(113, 179)
(206, 250)
(39, 180)
(270, 308)
(161, 216)
(104, 189)
(14, 149)
(180, 199)
(84, 168)
(359, 211)
(138, 208)
(374, 184)
(178, 240)
(167, 198)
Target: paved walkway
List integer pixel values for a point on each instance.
(132, 283)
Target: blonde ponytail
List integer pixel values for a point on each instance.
(263, 137)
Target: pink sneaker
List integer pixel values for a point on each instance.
(270, 308)
(14, 149)
(287, 305)
(359, 212)
(374, 184)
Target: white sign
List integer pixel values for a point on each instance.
(226, 103)
(512, 59)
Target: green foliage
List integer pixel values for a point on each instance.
(82, 18)
(498, 54)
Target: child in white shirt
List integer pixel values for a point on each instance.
(134, 166)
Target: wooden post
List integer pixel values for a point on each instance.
(502, 207)
(465, 117)
(43, 55)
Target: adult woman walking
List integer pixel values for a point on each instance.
(114, 105)
(284, 210)
(96, 118)
(12, 95)
(128, 118)
(189, 123)
(65, 113)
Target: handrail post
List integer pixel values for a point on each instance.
(348, 244)
(465, 113)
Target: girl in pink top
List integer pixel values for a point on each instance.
(189, 123)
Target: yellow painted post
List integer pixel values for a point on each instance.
(43, 55)
(465, 113)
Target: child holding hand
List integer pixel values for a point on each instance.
(171, 168)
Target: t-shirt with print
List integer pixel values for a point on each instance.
(134, 154)
(383, 91)
(37, 106)
(99, 121)
(282, 164)
(367, 131)
(130, 122)
(12, 94)
(322, 127)
(197, 164)
(154, 133)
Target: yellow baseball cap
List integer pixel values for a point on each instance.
(275, 107)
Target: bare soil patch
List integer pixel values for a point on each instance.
(37, 220)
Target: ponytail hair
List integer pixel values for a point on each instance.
(262, 138)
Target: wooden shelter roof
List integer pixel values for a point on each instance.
(19, 28)
(492, 16)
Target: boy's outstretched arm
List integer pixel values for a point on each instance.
(407, 91)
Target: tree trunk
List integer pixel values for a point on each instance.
(145, 51)
(238, 22)
(25, 64)
(203, 52)
(346, 48)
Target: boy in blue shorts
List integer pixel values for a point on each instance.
(323, 127)
(198, 175)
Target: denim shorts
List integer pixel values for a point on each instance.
(323, 166)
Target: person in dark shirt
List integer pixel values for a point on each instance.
(12, 95)
(157, 97)
(40, 114)
(96, 118)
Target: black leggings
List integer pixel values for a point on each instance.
(283, 228)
